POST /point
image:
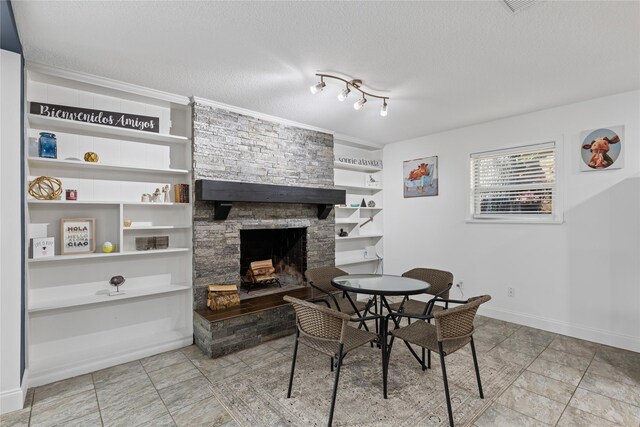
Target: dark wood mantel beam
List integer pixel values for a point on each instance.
(224, 193)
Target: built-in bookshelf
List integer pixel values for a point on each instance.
(71, 312)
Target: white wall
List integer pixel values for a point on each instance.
(579, 278)
(11, 394)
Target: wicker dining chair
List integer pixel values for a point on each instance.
(328, 332)
(320, 280)
(452, 330)
(441, 282)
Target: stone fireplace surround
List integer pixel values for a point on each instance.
(233, 147)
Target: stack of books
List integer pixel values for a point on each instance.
(181, 193)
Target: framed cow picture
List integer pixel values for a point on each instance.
(602, 149)
(420, 177)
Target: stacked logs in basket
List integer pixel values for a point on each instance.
(222, 296)
(262, 272)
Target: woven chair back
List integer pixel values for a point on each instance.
(319, 322)
(457, 322)
(439, 279)
(322, 276)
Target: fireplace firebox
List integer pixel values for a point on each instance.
(285, 247)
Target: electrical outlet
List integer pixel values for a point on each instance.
(511, 292)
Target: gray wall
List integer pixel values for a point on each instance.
(233, 147)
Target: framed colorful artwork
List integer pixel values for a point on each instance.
(78, 235)
(420, 177)
(602, 149)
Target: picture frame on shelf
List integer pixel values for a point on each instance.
(78, 236)
(371, 181)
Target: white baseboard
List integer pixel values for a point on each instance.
(38, 378)
(13, 400)
(601, 336)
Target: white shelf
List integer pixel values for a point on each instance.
(53, 304)
(156, 227)
(361, 236)
(342, 222)
(360, 189)
(82, 128)
(99, 202)
(108, 255)
(80, 165)
(370, 209)
(358, 168)
(354, 261)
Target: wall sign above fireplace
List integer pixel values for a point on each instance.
(97, 117)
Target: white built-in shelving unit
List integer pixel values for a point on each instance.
(75, 326)
(350, 250)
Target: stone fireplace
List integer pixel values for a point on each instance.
(228, 146)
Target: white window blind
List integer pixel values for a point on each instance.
(516, 183)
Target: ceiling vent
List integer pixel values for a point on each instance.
(516, 6)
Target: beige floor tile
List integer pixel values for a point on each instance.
(223, 373)
(163, 360)
(61, 389)
(283, 345)
(568, 359)
(620, 358)
(207, 412)
(207, 364)
(556, 371)
(498, 415)
(536, 336)
(114, 374)
(605, 407)
(193, 352)
(28, 400)
(91, 420)
(135, 410)
(605, 369)
(115, 392)
(174, 374)
(531, 404)
(59, 411)
(522, 346)
(574, 346)
(573, 417)
(186, 393)
(545, 386)
(16, 418)
(611, 388)
(162, 421)
(507, 355)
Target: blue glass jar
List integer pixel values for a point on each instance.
(47, 145)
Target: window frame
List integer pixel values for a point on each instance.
(557, 215)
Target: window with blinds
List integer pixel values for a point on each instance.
(517, 183)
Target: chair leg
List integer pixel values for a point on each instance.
(335, 384)
(293, 363)
(475, 364)
(423, 366)
(429, 359)
(332, 364)
(446, 384)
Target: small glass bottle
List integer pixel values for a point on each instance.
(47, 145)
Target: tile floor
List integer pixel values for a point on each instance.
(564, 381)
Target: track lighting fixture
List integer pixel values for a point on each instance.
(318, 87)
(383, 110)
(352, 84)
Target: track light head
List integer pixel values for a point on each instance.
(359, 103)
(343, 94)
(384, 109)
(317, 87)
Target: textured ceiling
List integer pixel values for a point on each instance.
(443, 64)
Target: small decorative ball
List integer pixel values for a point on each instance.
(92, 157)
(107, 247)
(371, 204)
